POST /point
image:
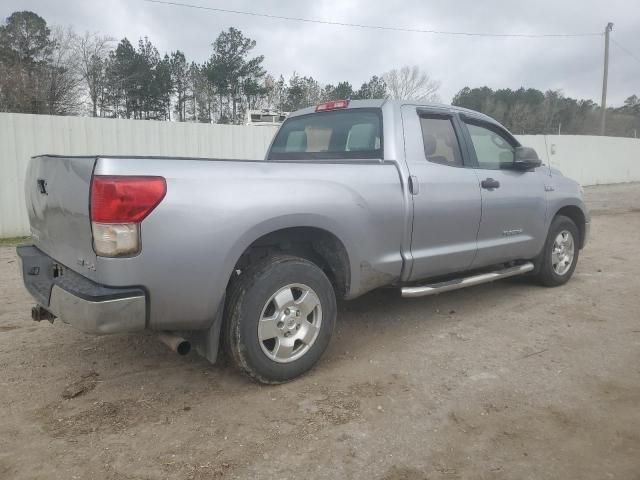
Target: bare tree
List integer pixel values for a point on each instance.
(62, 86)
(410, 83)
(91, 51)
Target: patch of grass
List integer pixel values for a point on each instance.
(13, 241)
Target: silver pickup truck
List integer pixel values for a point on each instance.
(252, 255)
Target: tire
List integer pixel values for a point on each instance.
(553, 270)
(275, 298)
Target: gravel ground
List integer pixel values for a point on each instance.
(501, 381)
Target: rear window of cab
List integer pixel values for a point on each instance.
(354, 133)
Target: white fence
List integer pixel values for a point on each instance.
(590, 160)
(22, 136)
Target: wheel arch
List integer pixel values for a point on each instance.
(308, 236)
(284, 235)
(577, 215)
(318, 244)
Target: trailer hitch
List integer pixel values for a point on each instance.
(39, 313)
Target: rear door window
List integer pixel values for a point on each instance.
(355, 133)
(440, 141)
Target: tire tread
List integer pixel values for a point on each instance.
(238, 288)
(545, 275)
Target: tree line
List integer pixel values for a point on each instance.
(53, 70)
(531, 111)
(56, 71)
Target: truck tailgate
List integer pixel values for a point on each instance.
(57, 193)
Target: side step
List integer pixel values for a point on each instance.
(435, 288)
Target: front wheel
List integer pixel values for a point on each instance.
(559, 257)
(279, 318)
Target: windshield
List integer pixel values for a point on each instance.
(355, 133)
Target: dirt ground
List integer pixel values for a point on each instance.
(501, 381)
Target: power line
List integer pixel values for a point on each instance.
(376, 27)
(626, 50)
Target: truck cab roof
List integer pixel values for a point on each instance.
(379, 103)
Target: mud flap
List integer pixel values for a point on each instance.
(207, 342)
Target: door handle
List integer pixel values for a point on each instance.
(490, 183)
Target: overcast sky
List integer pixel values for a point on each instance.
(333, 53)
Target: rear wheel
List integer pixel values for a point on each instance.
(279, 318)
(559, 257)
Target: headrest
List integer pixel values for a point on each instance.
(297, 141)
(361, 137)
(430, 144)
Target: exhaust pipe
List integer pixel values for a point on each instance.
(175, 343)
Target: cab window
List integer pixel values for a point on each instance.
(494, 150)
(440, 141)
(344, 134)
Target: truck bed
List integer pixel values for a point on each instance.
(213, 210)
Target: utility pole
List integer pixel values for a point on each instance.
(603, 104)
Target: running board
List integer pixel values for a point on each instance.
(435, 288)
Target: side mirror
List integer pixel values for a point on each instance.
(526, 158)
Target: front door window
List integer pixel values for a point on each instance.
(493, 150)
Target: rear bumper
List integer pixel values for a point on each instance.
(78, 301)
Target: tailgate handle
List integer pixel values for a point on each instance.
(42, 186)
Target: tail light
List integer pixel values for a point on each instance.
(332, 105)
(118, 205)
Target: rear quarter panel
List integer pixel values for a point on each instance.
(214, 210)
